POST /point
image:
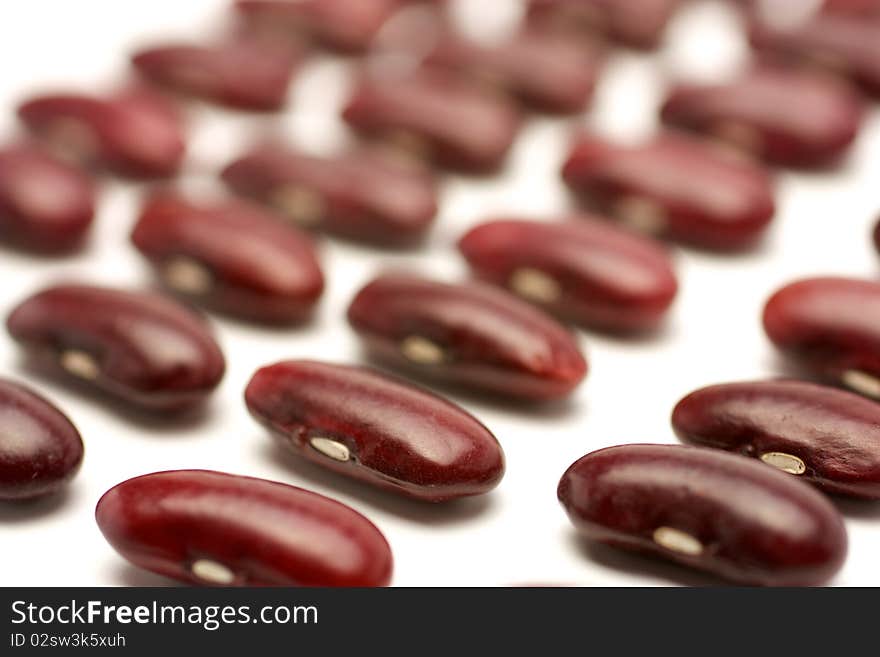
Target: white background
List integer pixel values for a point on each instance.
(518, 534)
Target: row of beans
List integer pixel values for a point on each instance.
(716, 511)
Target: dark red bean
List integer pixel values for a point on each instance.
(845, 44)
(381, 430)
(831, 327)
(242, 73)
(828, 437)
(218, 529)
(231, 256)
(45, 204)
(549, 71)
(676, 187)
(40, 449)
(638, 23)
(134, 132)
(359, 195)
(436, 117)
(707, 509)
(141, 347)
(584, 270)
(473, 335)
(762, 114)
(347, 25)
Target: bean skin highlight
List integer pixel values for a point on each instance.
(375, 428)
(217, 529)
(40, 449)
(707, 509)
(471, 334)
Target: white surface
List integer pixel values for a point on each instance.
(518, 534)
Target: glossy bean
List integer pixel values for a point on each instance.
(470, 334)
(241, 73)
(846, 45)
(347, 25)
(134, 132)
(217, 529)
(548, 71)
(582, 269)
(359, 195)
(762, 114)
(436, 117)
(828, 437)
(707, 509)
(137, 346)
(45, 204)
(40, 449)
(676, 187)
(231, 256)
(831, 327)
(638, 23)
(375, 428)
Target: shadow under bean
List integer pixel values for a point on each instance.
(557, 409)
(309, 474)
(126, 574)
(23, 511)
(643, 565)
(856, 508)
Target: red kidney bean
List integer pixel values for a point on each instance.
(435, 116)
(359, 195)
(347, 25)
(212, 528)
(828, 437)
(40, 449)
(638, 23)
(762, 114)
(706, 509)
(242, 73)
(378, 429)
(584, 270)
(231, 256)
(830, 326)
(846, 45)
(471, 334)
(674, 186)
(551, 72)
(45, 204)
(134, 132)
(137, 346)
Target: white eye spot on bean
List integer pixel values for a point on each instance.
(535, 285)
(745, 140)
(331, 449)
(785, 462)
(641, 214)
(422, 351)
(677, 541)
(303, 206)
(212, 572)
(187, 276)
(80, 364)
(862, 383)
